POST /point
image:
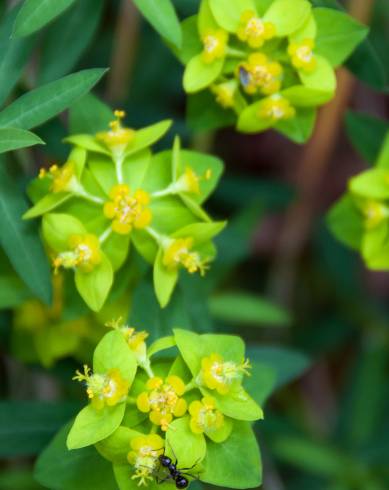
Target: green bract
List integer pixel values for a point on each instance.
(113, 192)
(360, 219)
(270, 63)
(190, 406)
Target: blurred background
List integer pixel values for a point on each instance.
(281, 280)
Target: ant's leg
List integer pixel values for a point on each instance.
(191, 468)
(174, 454)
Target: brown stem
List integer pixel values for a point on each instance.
(124, 50)
(315, 158)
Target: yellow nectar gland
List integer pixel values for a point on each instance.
(215, 45)
(118, 137)
(143, 456)
(276, 108)
(63, 178)
(204, 416)
(254, 30)
(217, 374)
(104, 389)
(162, 400)
(84, 253)
(259, 73)
(374, 212)
(178, 252)
(302, 55)
(190, 181)
(126, 210)
(225, 93)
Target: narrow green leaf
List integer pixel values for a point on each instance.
(162, 16)
(14, 138)
(35, 14)
(43, 103)
(20, 239)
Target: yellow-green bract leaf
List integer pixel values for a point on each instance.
(287, 16)
(57, 228)
(164, 280)
(300, 127)
(148, 136)
(237, 404)
(93, 425)
(250, 122)
(189, 448)
(302, 96)
(94, 286)
(117, 247)
(116, 447)
(37, 13)
(113, 352)
(374, 247)
(199, 75)
(345, 222)
(383, 156)
(321, 78)
(228, 13)
(46, 204)
(307, 31)
(43, 103)
(236, 463)
(20, 240)
(191, 42)
(161, 344)
(14, 138)
(338, 34)
(205, 20)
(223, 433)
(162, 16)
(372, 184)
(201, 232)
(87, 142)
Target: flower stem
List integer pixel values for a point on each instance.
(131, 400)
(146, 366)
(154, 234)
(236, 53)
(105, 235)
(89, 197)
(190, 386)
(119, 167)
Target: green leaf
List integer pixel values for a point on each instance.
(321, 78)
(18, 479)
(59, 54)
(200, 232)
(91, 425)
(89, 115)
(366, 133)
(148, 136)
(116, 447)
(199, 75)
(57, 228)
(43, 103)
(373, 184)
(113, 352)
(249, 120)
(191, 42)
(162, 16)
(116, 247)
(245, 309)
(299, 128)
(338, 34)
(46, 204)
(238, 404)
(303, 96)
(161, 344)
(182, 443)
(236, 463)
(94, 286)
(203, 113)
(13, 139)
(228, 14)
(288, 23)
(261, 383)
(27, 426)
(35, 14)
(164, 280)
(84, 469)
(13, 291)
(20, 239)
(345, 222)
(366, 65)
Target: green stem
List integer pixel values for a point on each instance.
(236, 53)
(190, 386)
(165, 192)
(119, 159)
(154, 234)
(154, 429)
(89, 197)
(131, 400)
(146, 366)
(105, 235)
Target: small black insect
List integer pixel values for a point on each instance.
(179, 475)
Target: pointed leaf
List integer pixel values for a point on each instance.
(14, 138)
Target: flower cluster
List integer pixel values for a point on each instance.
(266, 60)
(178, 406)
(360, 218)
(112, 192)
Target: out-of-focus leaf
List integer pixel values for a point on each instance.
(18, 479)
(77, 27)
(89, 115)
(14, 54)
(43, 103)
(367, 66)
(82, 469)
(14, 138)
(20, 239)
(35, 14)
(241, 308)
(366, 133)
(204, 114)
(12, 291)
(26, 426)
(162, 16)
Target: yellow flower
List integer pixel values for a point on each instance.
(118, 137)
(63, 178)
(127, 211)
(225, 93)
(204, 416)
(374, 212)
(259, 73)
(222, 376)
(215, 45)
(104, 389)
(135, 340)
(178, 252)
(162, 400)
(84, 253)
(143, 456)
(277, 108)
(302, 55)
(254, 30)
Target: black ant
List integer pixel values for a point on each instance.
(176, 474)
